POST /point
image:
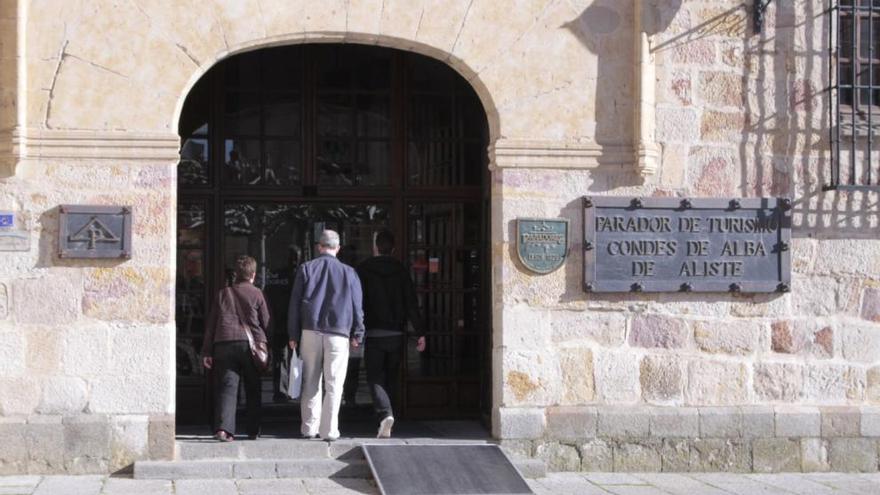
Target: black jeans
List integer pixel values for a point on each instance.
(383, 356)
(232, 362)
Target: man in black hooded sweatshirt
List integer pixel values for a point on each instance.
(389, 302)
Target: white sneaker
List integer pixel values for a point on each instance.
(385, 427)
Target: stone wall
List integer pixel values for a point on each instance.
(87, 348)
(738, 114)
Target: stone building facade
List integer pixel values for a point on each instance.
(679, 98)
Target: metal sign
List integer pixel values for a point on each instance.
(542, 243)
(683, 245)
(7, 219)
(94, 232)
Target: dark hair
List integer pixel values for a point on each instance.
(245, 267)
(385, 242)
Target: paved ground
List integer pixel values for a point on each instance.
(555, 484)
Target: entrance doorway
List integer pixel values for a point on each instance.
(281, 143)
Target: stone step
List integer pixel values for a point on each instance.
(251, 469)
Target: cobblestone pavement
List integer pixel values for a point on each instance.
(554, 483)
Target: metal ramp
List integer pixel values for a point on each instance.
(443, 469)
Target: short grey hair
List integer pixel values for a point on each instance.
(329, 239)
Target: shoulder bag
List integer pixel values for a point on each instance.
(259, 349)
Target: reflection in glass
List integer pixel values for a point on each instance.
(190, 286)
(242, 161)
(192, 170)
(242, 113)
(283, 160)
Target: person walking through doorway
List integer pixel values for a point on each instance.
(226, 349)
(325, 314)
(389, 302)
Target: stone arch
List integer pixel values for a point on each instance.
(457, 64)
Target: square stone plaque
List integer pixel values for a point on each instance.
(88, 231)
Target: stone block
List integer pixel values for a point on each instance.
(576, 369)
(600, 327)
(870, 421)
(675, 455)
(86, 444)
(168, 470)
(86, 351)
(43, 356)
(641, 457)
(861, 343)
(720, 454)
(871, 304)
(128, 293)
(60, 290)
(559, 457)
(513, 448)
(531, 377)
(572, 423)
(721, 126)
(144, 394)
(596, 455)
(674, 422)
(814, 455)
(802, 337)
(721, 89)
(284, 449)
(525, 328)
(776, 455)
(319, 468)
(778, 382)
(700, 53)
(617, 376)
(662, 379)
(44, 435)
(677, 125)
(715, 383)
(758, 422)
(520, 423)
(657, 331)
(723, 337)
(161, 437)
(853, 455)
(19, 396)
(12, 360)
(834, 383)
(146, 349)
(872, 390)
(63, 395)
(721, 422)
(129, 439)
(841, 422)
(798, 422)
(14, 454)
(624, 422)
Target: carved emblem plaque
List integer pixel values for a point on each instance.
(94, 231)
(687, 245)
(542, 243)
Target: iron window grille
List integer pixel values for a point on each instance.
(854, 39)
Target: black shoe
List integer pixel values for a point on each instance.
(307, 437)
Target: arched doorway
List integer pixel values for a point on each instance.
(282, 142)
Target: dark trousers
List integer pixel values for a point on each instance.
(233, 362)
(352, 379)
(383, 356)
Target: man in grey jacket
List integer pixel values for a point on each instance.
(325, 314)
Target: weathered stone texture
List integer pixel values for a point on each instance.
(803, 337)
(662, 378)
(559, 457)
(774, 455)
(12, 360)
(64, 395)
(596, 455)
(716, 383)
(871, 304)
(519, 423)
(637, 457)
(61, 292)
(576, 369)
(659, 331)
(798, 422)
(128, 294)
(834, 384)
(861, 343)
(724, 337)
(571, 423)
(853, 454)
(718, 454)
(531, 377)
(814, 455)
(617, 377)
(778, 382)
(603, 328)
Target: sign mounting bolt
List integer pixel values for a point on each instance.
(637, 202)
(783, 287)
(636, 287)
(686, 287)
(588, 202)
(783, 246)
(588, 245)
(735, 287)
(785, 203)
(588, 287)
(686, 203)
(735, 204)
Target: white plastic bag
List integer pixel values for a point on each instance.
(294, 382)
